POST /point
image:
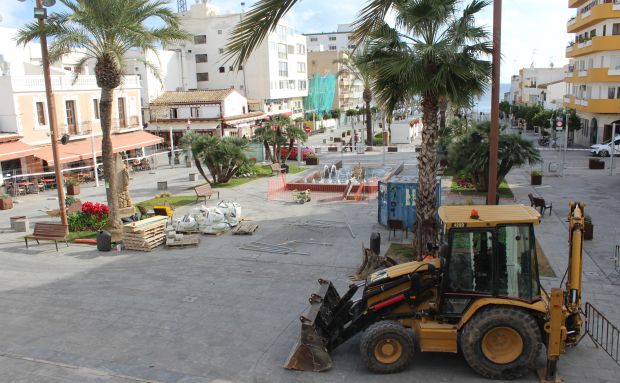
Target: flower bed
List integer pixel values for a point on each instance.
(92, 217)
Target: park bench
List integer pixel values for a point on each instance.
(540, 203)
(49, 232)
(205, 191)
(277, 168)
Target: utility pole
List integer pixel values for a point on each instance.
(495, 77)
(41, 13)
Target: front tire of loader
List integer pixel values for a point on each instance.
(501, 342)
(387, 347)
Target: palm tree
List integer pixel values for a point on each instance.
(354, 65)
(277, 134)
(104, 30)
(434, 52)
(222, 156)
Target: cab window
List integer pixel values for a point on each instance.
(516, 270)
(470, 267)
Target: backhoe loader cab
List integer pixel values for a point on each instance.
(481, 296)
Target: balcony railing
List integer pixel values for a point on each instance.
(36, 83)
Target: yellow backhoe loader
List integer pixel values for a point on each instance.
(481, 295)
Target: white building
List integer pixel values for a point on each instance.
(275, 74)
(222, 112)
(331, 41)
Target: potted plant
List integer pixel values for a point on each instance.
(596, 163)
(312, 160)
(6, 202)
(73, 186)
(588, 229)
(535, 177)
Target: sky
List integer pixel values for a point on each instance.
(533, 31)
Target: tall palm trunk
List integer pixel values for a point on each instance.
(109, 158)
(426, 226)
(367, 97)
(108, 75)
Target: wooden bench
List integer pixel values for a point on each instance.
(276, 168)
(205, 191)
(49, 232)
(540, 203)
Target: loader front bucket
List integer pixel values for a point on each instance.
(318, 328)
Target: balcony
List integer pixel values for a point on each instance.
(594, 75)
(596, 44)
(597, 14)
(593, 105)
(576, 3)
(36, 83)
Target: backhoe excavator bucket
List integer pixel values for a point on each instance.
(318, 327)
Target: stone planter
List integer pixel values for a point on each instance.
(595, 163)
(21, 225)
(392, 149)
(73, 189)
(536, 179)
(312, 161)
(192, 176)
(6, 203)
(162, 185)
(588, 231)
(15, 219)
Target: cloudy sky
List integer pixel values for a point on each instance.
(532, 30)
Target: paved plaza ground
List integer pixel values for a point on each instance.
(217, 313)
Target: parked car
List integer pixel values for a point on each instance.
(604, 149)
(306, 152)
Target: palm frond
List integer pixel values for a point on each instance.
(254, 27)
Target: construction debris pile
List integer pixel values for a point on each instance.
(210, 220)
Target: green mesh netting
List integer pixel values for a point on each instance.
(321, 92)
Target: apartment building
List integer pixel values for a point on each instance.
(25, 145)
(528, 81)
(331, 41)
(275, 74)
(594, 69)
(323, 67)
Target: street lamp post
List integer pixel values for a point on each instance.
(41, 14)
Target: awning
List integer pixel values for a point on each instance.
(82, 149)
(15, 149)
(133, 140)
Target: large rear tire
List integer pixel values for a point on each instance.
(387, 347)
(501, 342)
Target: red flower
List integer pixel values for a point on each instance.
(96, 209)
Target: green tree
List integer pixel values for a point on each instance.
(574, 121)
(279, 133)
(103, 31)
(434, 53)
(504, 106)
(355, 65)
(222, 156)
(542, 119)
(469, 154)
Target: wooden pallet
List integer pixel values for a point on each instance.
(245, 229)
(145, 235)
(215, 234)
(186, 241)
